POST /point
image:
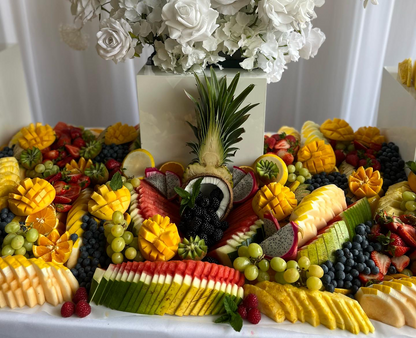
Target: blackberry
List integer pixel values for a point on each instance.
(187, 214)
(204, 202)
(6, 152)
(205, 238)
(214, 203)
(206, 218)
(217, 193)
(198, 211)
(224, 225)
(191, 233)
(182, 227)
(211, 260)
(207, 228)
(212, 213)
(216, 223)
(217, 236)
(195, 224)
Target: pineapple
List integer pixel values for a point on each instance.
(218, 126)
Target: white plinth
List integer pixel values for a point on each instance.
(164, 109)
(14, 102)
(397, 113)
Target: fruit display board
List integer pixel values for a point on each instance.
(316, 236)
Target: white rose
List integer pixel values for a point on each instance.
(189, 21)
(275, 13)
(85, 10)
(314, 38)
(229, 7)
(114, 41)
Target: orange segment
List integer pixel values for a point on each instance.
(54, 248)
(39, 251)
(43, 221)
(174, 167)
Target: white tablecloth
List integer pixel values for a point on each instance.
(46, 322)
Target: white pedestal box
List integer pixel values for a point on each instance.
(164, 109)
(14, 102)
(397, 113)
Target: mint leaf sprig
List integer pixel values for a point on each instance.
(116, 182)
(188, 199)
(231, 316)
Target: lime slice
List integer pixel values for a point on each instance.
(136, 163)
(281, 165)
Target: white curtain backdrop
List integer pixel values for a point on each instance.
(342, 81)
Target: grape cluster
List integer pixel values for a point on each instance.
(122, 243)
(6, 152)
(112, 151)
(298, 173)
(6, 216)
(319, 180)
(43, 170)
(19, 240)
(92, 252)
(251, 263)
(409, 202)
(354, 258)
(202, 220)
(392, 165)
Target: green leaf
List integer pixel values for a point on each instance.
(182, 192)
(196, 188)
(236, 322)
(229, 305)
(116, 182)
(412, 166)
(223, 319)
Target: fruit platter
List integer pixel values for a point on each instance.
(317, 234)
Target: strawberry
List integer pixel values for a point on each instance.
(340, 156)
(83, 309)
(112, 164)
(282, 144)
(73, 178)
(363, 163)
(371, 151)
(80, 294)
(292, 140)
(242, 311)
(270, 141)
(54, 178)
(412, 256)
(376, 231)
(75, 132)
(397, 251)
(67, 309)
(400, 263)
(62, 199)
(63, 207)
(251, 301)
(391, 239)
(408, 234)
(408, 219)
(391, 223)
(359, 146)
(370, 279)
(73, 151)
(254, 316)
(50, 154)
(63, 140)
(288, 158)
(84, 182)
(376, 165)
(352, 159)
(375, 146)
(79, 142)
(382, 261)
(64, 162)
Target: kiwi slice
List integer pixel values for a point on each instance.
(98, 173)
(267, 169)
(30, 158)
(192, 248)
(91, 150)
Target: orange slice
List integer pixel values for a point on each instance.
(43, 221)
(39, 251)
(53, 248)
(174, 167)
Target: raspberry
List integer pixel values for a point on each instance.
(254, 316)
(67, 309)
(81, 294)
(251, 301)
(83, 309)
(242, 311)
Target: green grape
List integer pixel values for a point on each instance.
(8, 239)
(117, 230)
(263, 276)
(309, 176)
(7, 250)
(31, 173)
(32, 235)
(109, 251)
(291, 168)
(130, 253)
(278, 264)
(291, 178)
(128, 237)
(255, 250)
(108, 225)
(20, 251)
(123, 179)
(12, 227)
(403, 205)
(240, 263)
(251, 272)
(316, 271)
(264, 265)
(291, 275)
(55, 169)
(17, 242)
(48, 165)
(28, 246)
(118, 244)
(135, 182)
(129, 186)
(340, 146)
(139, 257)
(407, 272)
(411, 205)
(409, 196)
(292, 265)
(110, 238)
(298, 166)
(304, 172)
(40, 168)
(117, 258)
(134, 243)
(118, 217)
(47, 173)
(278, 277)
(350, 148)
(304, 262)
(313, 283)
(243, 251)
(301, 179)
(20, 232)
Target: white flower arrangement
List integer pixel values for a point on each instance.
(189, 35)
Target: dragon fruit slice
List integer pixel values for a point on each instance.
(283, 243)
(271, 225)
(157, 179)
(172, 181)
(245, 189)
(238, 175)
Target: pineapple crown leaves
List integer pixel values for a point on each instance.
(218, 115)
(412, 166)
(188, 199)
(231, 316)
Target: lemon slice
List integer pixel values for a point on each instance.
(404, 70)
(136, 163)
(281, 165)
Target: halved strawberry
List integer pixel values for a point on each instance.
(365, 279)
(63, 140)
(291, 139)
(400, 263)
(408, 219)
(390, 222)
(270, 141)
(73, 151)
(376, 231)
(408, 234)
(359, 146)
(79, 142)
(382, 261)
(287, 158)
(397, 251)
(340, 156)
(282, 144)
(63, 207)
(62, 199)
(50, 155)
(75, 132)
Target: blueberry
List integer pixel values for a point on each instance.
(96, 254)
(326, 279)
(78, 266)
(364, 244)
(347, 285)
(86, 262)
(349, 255)
(82, 276)
(339, 253)
(356, 282)
(356, 246)
(360, 267)
(375, 270)
(329, 264)
(355, 252)
(366, 254)
(348, 277)
(357, 239)
(340, 275)
(334, 283)
(84, 226)
(369, 249)
(360, 258)
(85, 218)
(360, 230)
(354, 273)
(369, 223)
(349, 262)
(345, 250)
(73, 237)
(340, 283)
(354, 289)
(339, 267)
(325, 268)
(330, 288)
(331, 274)
(370, 263)
(392, 270)
(347, 245)
(347, 269)
(91, 251)
(95, 261)
(84, 254)
(377, 247)
(91, 241)
(87, 234)
(79, 260)
(342, 259)
(74, 272)
(366, 271)
(87, 269)
(89, 275)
